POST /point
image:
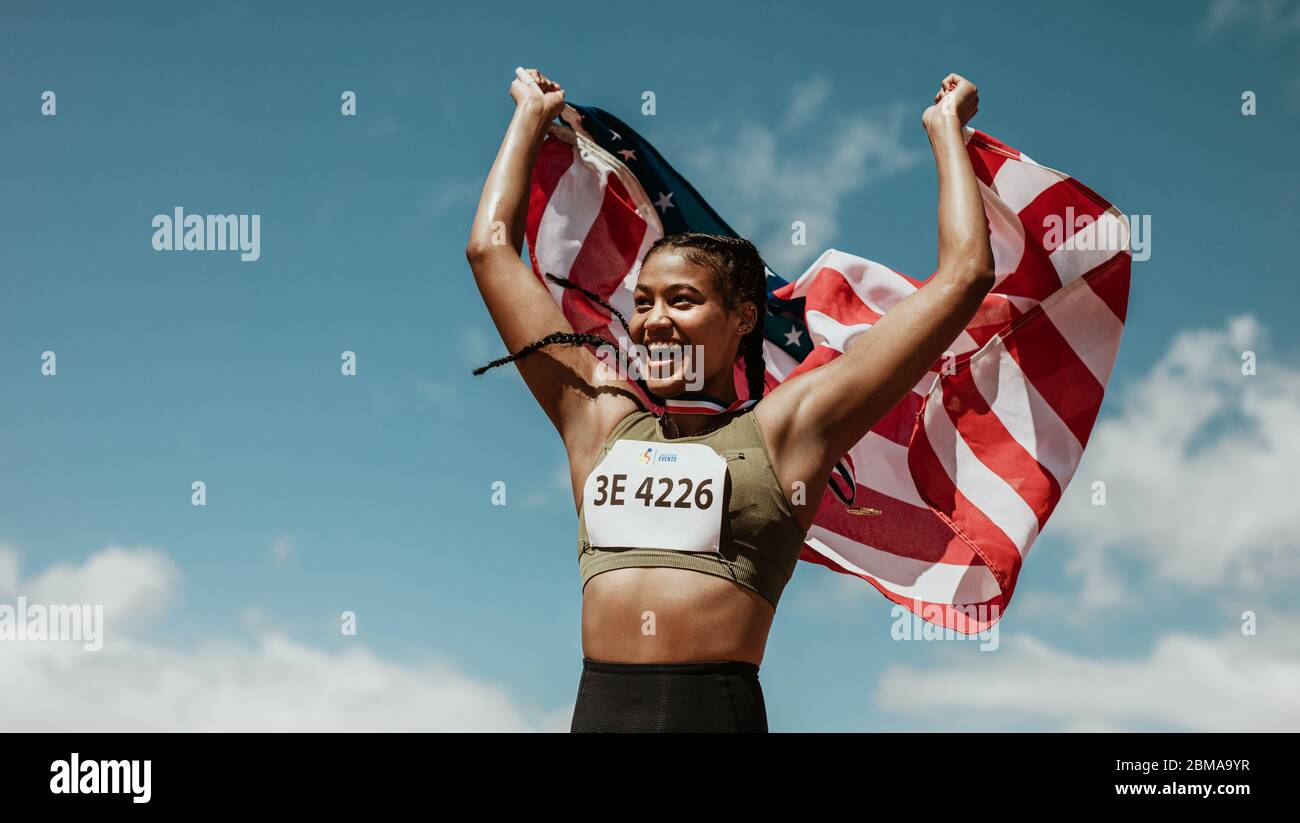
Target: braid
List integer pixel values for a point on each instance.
(591, 295)
(562, 338)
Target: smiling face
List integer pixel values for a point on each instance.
(680, 315)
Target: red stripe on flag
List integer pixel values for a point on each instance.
(988, 439)
(1051, 365)
(992, 145)
(833, 296)
(607, 254)
(900, 421)
(985, 163)
(937, 489)
(1036, 277)
(1046, 216)
(1110, 282)
(553, 159)
(908, 530)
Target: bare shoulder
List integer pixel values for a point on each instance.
(776, 415)
(797, 459)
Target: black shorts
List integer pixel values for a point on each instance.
(708, 696)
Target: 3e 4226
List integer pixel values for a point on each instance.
(611, 491)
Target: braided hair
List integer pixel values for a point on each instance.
(741, 278)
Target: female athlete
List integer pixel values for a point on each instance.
(691, 523)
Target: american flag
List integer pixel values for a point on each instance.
(939, 504)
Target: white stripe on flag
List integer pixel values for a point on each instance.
(979, 484)
(885, 463)
(1089, 247)
(878, 287)
(622, 298)
(1024, 413)
(1088, 325)
(829, 332)
(1017, 184)
(955, 583)
(779, 364)
(569, 216)
(1006, 234)
(927, 382)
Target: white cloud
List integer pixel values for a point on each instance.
(271, 683)
(1199, 465)
(1228, 682)
(133, 584)
(557, 487)
(282, 549)
(1197, 460)
(1269, 17)
(478, 345)
(274, 684)
(434, 205)
(1277, 21)
(763, 179)
(451, 194)
(816, 591)
(444, 397)
(806, 99)
(561, 479)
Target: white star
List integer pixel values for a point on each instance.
(613, 135)
(665, 202)
(628, 154)
(792, 336)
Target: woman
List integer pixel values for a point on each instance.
(680, 585)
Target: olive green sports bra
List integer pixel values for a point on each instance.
(758, 538)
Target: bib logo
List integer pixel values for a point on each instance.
(212, 232)
(668, 458)
(648, 456)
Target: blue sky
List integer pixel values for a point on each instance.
(372, 493)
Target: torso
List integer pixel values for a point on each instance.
(664, 615)
(660, 615)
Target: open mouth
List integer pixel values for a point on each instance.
(664, 351)
(667, 360)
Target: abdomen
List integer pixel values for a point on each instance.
(667, 615)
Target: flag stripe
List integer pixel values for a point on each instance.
(606, 256)
(987, 502)
(1026, 417)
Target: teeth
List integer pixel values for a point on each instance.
(664, 351)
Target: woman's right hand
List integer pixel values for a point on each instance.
(549, 102)
(957, 97)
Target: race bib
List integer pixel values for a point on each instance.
(656, 496)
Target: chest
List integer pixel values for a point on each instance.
(679, 496)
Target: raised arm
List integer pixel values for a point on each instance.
(565, 380)
(821, 414)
